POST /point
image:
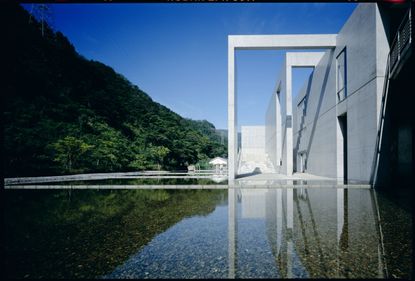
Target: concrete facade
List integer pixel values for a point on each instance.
(252, 156)
(320, 115)
(253, 142)
(330, 129)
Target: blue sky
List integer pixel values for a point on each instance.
(177, 53)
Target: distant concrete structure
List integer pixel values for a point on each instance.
(252, 155)
(335, 126)
(253, 141)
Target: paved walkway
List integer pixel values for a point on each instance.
(265, 180)
(297, 180)
(121, 175)
(275, 176)
(251, 163)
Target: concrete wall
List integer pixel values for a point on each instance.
(253, 143)
(315, 132)
(367, 49)
(273, 130)
(365, 42)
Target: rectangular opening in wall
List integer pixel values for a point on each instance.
(343, 128)
(341, 77)
(302, 160)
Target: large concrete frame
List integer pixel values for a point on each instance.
(261, 42)
(282, 148)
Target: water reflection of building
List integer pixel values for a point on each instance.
(253, 203)
(313, 233)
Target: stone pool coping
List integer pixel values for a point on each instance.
(106, 176)
(189, 186)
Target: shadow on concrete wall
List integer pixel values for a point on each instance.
(256, 171)
(302, 122)
(320, 101)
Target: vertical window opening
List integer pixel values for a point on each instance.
(341, 76)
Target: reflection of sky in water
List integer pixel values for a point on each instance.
(196, 247)
(257, 236)
(253, 246)
(271, 233)
(255, 255)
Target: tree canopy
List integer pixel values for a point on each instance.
(66, 114)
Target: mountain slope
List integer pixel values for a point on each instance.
(67, 114)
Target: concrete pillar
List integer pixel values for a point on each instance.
(232, 122)
(279, 219)
(231, 232)
(290, 230)
(288, 120)
(278, 129)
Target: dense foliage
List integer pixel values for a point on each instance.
(67, 114)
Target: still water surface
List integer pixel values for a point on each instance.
(236, 233)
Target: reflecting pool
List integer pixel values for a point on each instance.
(221, 233)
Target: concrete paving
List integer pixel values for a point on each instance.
(252, 185)
(274, 176)
(264, 180)
(297, 180)
(121, 175)
(119, 186)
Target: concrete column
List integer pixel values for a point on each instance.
(278, 130)
(340, 212)
(290, 219)
(289, 238)
(231, 232)
(340, 223)
(289, 119)
(232, 122)
(339, 154)
(279, 219)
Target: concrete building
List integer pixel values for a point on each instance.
(220, 164)
(342, 124)
(252, 154)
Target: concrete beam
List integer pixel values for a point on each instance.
(275, 42)
(303, 59)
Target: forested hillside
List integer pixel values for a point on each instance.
(66, 114)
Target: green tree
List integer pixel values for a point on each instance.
(57, 93)
(158, 153)
(139, 162)
(68, 150)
